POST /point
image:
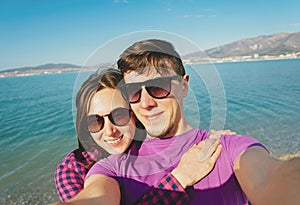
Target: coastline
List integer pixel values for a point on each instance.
(289, 156)
(21, 73)
(42, 72)
(31, 72)
(43, 194)
(238, 59)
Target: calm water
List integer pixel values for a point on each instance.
(37, 128)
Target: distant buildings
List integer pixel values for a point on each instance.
(242, 58)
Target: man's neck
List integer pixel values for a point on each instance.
(185, 126)
(182, 127)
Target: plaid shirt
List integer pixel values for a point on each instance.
(70, 174)
(168, 191)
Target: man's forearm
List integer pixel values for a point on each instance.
(266, 180)
(286, 186)
(99, 189)
(283, 185)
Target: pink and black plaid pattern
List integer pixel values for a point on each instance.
(70, 174)
(168, 191)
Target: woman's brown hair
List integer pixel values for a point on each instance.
(109, 78)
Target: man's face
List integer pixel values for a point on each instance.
(161, 117)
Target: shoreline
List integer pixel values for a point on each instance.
(21, 73)
(289, 156)
(45, 194)
(235, 60)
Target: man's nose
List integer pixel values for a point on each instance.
(146, 100)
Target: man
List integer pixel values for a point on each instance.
(155, 86)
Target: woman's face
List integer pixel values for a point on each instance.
(114, 139)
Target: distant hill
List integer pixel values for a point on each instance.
(41, 69)
(49, 69)
(48, 66)
(271, 45)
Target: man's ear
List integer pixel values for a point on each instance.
(185, 84)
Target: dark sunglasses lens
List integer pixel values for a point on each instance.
(120, 116)
(159, 89)
(95, 123)
(133, 93)
(158, 92)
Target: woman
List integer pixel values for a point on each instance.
(105, 125)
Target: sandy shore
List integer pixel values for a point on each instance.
(290, 156)
(28, 198)
(22, 195)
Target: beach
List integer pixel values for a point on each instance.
(21, 196)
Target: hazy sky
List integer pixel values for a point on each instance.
(35, 32)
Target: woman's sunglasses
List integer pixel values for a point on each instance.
(157, 88)
(118, 116)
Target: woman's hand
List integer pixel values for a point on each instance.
(217, 134)
(197, 162)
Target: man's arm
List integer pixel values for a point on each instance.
(267, 180)
(98, 189)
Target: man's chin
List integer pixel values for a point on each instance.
(158, 133)
(154, 133)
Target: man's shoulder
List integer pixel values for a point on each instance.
(239, 139)
(235, 145)
(200, 135)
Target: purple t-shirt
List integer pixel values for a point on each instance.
(157, 157)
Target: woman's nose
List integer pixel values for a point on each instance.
(109, 128)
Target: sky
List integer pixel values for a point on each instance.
(35, 32)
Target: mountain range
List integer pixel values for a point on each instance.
(266, 45)
(280, 45)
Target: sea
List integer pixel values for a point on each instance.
(256, 98)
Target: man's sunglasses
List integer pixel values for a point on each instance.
(118, 116)
(157, 88)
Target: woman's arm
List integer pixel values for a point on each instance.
(69, 177)
(201, 157)
(168, 191)
(171, 189)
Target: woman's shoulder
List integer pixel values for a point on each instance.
(78, 158)
(70, 160)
